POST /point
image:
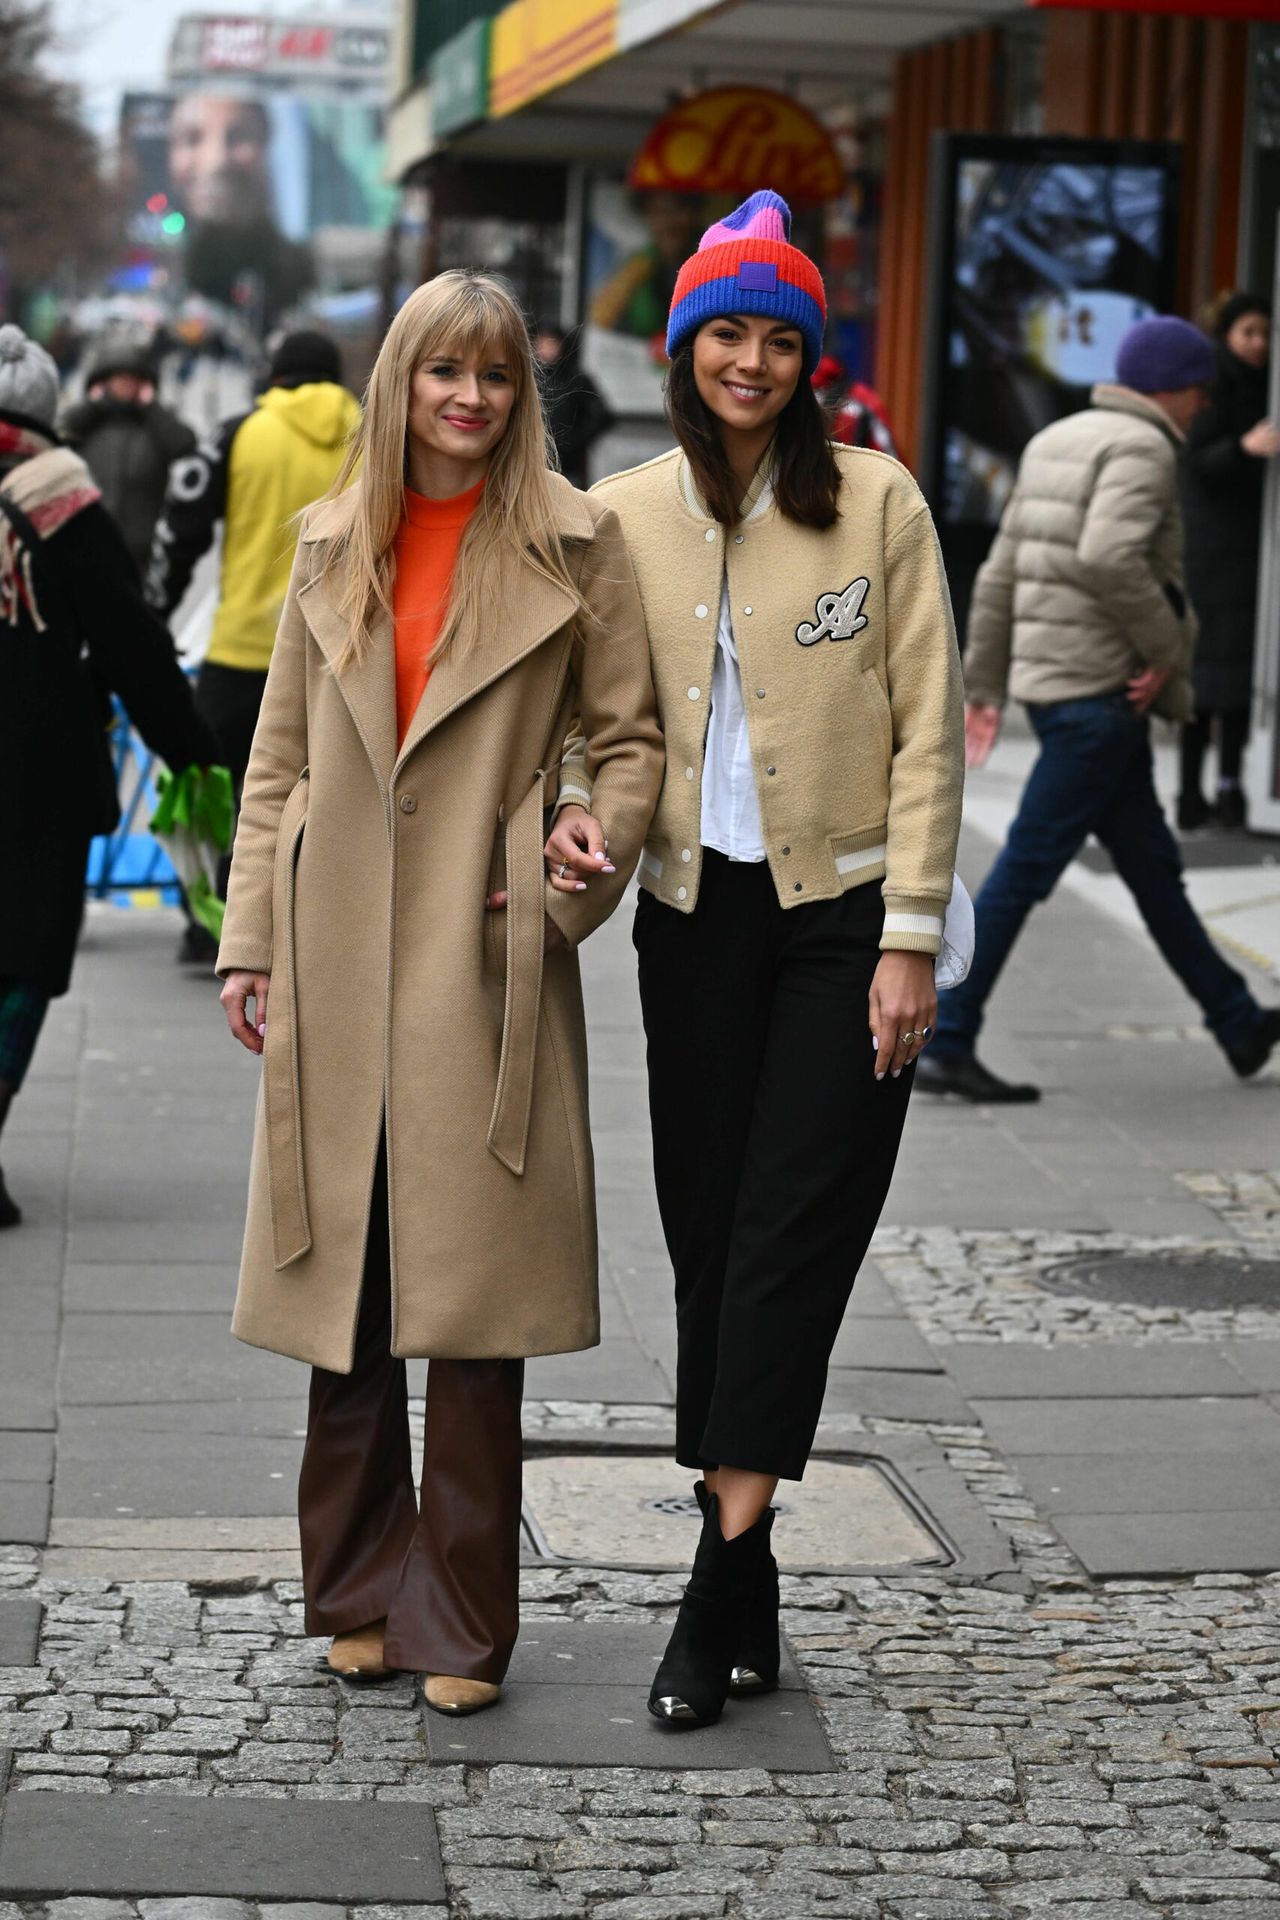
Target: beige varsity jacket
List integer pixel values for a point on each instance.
(851, 679)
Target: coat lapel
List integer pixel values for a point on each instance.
(531, 610)
(368, 685)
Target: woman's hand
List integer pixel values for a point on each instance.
(903, 1002)
(1262, 441)
(577, 848)
(238, 989)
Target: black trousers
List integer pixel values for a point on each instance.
(773, 1146)
(227, 700)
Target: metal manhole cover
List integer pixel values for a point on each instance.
(637, 1510)
(1174, 1279)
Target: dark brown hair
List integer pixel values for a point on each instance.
(806, 479)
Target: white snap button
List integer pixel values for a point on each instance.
(710, 534)
(685, 854)
(759, 693)
(748, 609)
(695, 693)
(737, 539)
(688, 773)
(682, 893)
(701, 611)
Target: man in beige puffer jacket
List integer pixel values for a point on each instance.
(1080, 613)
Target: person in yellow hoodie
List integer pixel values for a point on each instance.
(254, 474)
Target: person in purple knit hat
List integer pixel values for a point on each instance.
(1080, 612)
(794, 886)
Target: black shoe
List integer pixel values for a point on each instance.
(197, 948)
(1229, 814)
(759, 1655)
(10, 1211)
(1257, 1049)
(692, 1683)
(1193, 811)
(962, 1074)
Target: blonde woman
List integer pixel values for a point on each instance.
(421, 1180)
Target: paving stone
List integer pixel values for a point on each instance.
(897, 1396)
(19, 1631)
(143, 1844)
(26, 1456)
(1151, 1483)
(882, 1344)
(1126, 1370)
(609, 1726)
(596, 1654)
(1120, 1543)
(617, 1371)
(121, 1359)
(1050, 1426)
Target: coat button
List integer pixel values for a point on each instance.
(407, 803)
(688, 773)
(682, 893)
(737, 539)
(685, 854)
(748, 609)
(799, 888)
(701, 610)
(695, 693)
(786, 849)
(771, 771)
(759, 693)
(710, 534)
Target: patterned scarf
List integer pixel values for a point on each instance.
(50, 484)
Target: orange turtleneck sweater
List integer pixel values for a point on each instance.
(426, 552)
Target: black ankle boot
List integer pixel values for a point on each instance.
(692, 1683)
(757, 1654)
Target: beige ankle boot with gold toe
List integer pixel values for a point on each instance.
(448, 1694)
(358, 1655)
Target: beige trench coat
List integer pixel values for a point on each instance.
(358, 882)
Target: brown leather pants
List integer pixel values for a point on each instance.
(445, 1569)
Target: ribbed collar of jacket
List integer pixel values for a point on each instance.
(757, 499)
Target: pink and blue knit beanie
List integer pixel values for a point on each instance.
(746, 264)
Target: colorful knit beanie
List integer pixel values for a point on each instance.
(746, 264)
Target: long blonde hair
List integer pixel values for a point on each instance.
(457, 313)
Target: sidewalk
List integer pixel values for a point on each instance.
(1030, 1596)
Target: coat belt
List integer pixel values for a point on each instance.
(508, 1136)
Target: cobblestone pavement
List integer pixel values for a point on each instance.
(1035, 1744)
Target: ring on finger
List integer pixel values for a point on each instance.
(564, 868)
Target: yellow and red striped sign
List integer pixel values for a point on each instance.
(540, 44)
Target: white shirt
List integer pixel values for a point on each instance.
(730, 806)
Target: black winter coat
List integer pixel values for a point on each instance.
(129, 451)
(57, 787)
(1222, 509)
(576, 414)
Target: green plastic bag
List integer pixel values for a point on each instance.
(192, 822)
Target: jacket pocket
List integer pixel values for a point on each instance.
(880, 707)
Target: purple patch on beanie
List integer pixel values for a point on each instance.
(758, 276)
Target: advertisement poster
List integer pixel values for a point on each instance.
(247, 181)
(636, 244)
(1052, 252)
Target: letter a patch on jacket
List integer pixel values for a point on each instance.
(840, 615)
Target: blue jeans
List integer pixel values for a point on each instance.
(1094, 776)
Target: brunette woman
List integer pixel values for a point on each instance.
(421, 1179)
(1224, 468)
(794, 886)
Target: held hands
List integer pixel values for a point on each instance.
(577, 849)
(902, 1009)
(981, 731)
(238, 989)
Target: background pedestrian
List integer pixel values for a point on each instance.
(1080, 612)
(574, 406)
(76, 629)
(128, 440)
(256, 474)
(1223, 471)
